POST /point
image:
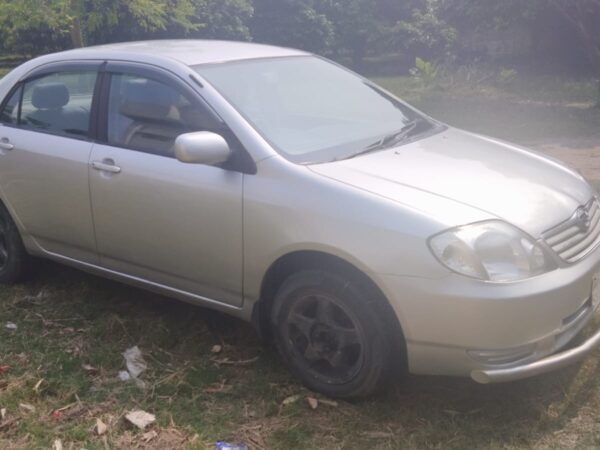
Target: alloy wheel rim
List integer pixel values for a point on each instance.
(327, 338)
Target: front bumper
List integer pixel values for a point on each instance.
(548, 364)
(495, 332)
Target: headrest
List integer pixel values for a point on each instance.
(50, 96)
(149, 100)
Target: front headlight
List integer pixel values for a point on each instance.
(492, 251)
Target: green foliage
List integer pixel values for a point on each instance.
(355, 27)
(29, 25)
(465, 15)
(423, 33)
(223, 19)
(38, 26)
(293, 23)
(347, 30)
(426, 72)
(110, 20)
(506, 76)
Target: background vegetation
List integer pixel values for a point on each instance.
(525, 71)
(562, 34)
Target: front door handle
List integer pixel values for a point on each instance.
(5, 144)
(107, 165)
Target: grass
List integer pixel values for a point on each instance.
(530, 109)
(67, 320)
(60, 366)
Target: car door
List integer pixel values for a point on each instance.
(45, 140)
(171, 223)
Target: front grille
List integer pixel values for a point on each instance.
(579, 235)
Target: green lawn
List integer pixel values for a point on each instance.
(68, 321)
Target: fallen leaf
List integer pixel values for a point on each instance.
(329, 402)
(89, 368)
(134, 361)
(216, 349)
(11, 326)
(27, 407)
(218, 387)
(100, 427)
(4, 369)
(140, 419)
(40, 296)
(243, 362)
(5, 425)
(312, 402)
(147, 437)
(378, 434)
(57, 445)
(289, 400)
(37, 386)
(69, 406)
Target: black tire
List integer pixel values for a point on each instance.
(331, 333)
(15, 263)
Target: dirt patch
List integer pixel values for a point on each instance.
(586, 159)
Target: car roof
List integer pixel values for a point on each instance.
(186, 51)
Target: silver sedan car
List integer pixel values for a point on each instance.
(357, 233)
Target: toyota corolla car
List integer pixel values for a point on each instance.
(357, 233)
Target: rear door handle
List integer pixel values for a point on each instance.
(5, 144)
(107, 165)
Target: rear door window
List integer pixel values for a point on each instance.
(59, 103)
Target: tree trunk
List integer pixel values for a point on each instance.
(76, 36)
(75, 31)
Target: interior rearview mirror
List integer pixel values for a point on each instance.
(201, 147)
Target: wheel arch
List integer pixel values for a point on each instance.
(299, 260)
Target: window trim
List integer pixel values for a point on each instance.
(62, 66)
(7, 99)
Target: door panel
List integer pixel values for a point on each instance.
(45, 180)
(44, 157)
(169, 222)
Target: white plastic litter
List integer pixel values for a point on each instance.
(135, 361)
(11, 326)
(124, 375)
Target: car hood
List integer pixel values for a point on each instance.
(459, 177)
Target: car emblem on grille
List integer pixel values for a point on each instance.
(582, 217)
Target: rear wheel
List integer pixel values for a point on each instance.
(15, 263)
(331, 334)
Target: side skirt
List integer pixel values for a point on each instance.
(167, 291)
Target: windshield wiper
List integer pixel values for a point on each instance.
(393, 138)
(389, 140)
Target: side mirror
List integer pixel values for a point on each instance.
(201, 147)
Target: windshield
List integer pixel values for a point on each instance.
(314, 111)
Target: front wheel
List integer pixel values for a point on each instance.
(332, 335)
